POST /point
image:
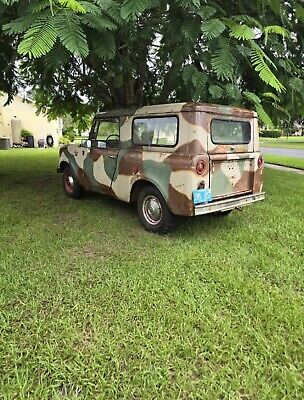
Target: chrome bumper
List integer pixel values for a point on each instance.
(228, 204)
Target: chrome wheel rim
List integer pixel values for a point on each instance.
(152, 210)
(69, 183)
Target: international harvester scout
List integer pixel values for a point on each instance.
(176, 159)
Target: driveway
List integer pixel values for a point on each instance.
(283, 152)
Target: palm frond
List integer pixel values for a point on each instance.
(19, 25)
(206, 12)
(110, 8)
(213, 28)
(58, 56)
(105, 46)
(39, 38)
(98, 22)
(242, 32)
(73, 5)
(71, 34)
(256, 102)
(216, 91)
(257, 58)
(248, 20)
(276, 29)
(131, 9)
(224, 62)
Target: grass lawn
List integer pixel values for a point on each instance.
(286, 161)
(94, 307)
(293, 142)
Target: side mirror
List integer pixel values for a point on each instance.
(86, 143)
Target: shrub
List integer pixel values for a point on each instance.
(64, 140)
(270, 134)
(24, 133)
(69, 133)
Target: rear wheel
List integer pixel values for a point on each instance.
(153, 211)
(70, 184)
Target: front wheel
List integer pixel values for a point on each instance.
(153, 211)
(70, 184)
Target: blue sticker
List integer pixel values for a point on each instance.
(201, 196)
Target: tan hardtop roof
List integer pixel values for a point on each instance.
(179, 107)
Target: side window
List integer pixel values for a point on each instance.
(105, 133)
(155, 131)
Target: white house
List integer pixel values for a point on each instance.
(21, 114)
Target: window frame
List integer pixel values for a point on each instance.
(98, 121)
(157, 117)
(230, 120)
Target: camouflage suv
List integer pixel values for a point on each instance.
(176, 159)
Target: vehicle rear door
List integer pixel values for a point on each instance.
(231, 152)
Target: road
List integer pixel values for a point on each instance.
(283, 152)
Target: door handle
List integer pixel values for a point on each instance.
(113, 156)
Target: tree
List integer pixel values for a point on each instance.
(121, 53)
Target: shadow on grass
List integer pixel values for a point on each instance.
(36, 189)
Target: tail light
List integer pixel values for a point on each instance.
(200, 167)
(260, 162)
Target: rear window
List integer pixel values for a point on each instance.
(230, 132)
(155, 131)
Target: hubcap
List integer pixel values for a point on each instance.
(152, 210)
(69, 183)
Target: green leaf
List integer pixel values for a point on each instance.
(213, 28)
(39, 39)
(278, 30)
(131, 9)
(297, 84)
(256, 102)
(110, 8)
(233, 91)
(206, 12)
(19, 25)
(71, 34)
(73, 5)
(105, 46)
(299, 12)
(57, 57)
(258, 61)
(98, 22)
(248, 20)
(190, 30)
(224, 62)
(242, 32)
(216, 91)
(271, 96)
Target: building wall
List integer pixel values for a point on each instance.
(39, 125)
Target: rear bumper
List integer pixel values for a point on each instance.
(228, 204)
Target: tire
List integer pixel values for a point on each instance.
(153, 211)
(50, 140)
(71, 186)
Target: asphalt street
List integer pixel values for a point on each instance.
(283, 152)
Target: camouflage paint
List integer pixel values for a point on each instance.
(229, 170)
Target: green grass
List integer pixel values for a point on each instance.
(286, 161)
(94, 307)
(293, 142)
